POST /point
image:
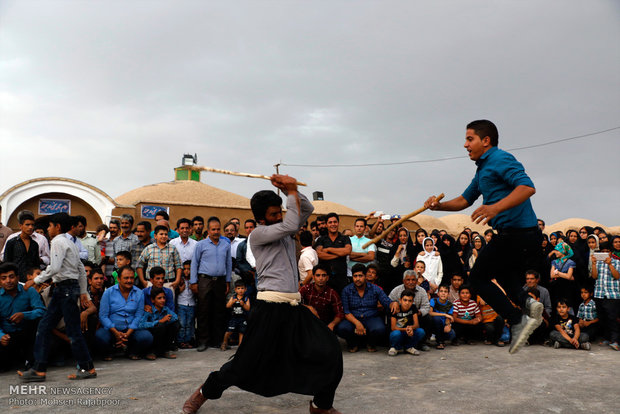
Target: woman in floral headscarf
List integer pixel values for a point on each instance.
(562, 279)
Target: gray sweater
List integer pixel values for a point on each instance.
(420, 300)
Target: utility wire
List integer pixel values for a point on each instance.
(447, 158)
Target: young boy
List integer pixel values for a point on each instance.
(158, 275)
(607, 293)
(31, 274)
(441, 312)
(467, 316)
(567, 332)
(240, 305)
(186, 306)
(588, 318)
(123, 259)
(455, 284)
(406, 331)
(492, 324)
(419, 269)
(541, 333)
(163, 324)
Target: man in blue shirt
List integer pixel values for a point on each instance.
(506, 190)
(359, 301)
(19, 311)
(210, 277)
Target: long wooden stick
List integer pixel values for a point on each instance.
(238, 174)
(396, 223)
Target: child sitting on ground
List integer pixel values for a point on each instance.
(567, 332)
(588, 318)
(240, 305)
(456, 281)
(467, 316)
(163, 325)
(186, 307)
(406, 331)
(492, 324)
(441, 312)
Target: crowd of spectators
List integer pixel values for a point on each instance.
(154, 289)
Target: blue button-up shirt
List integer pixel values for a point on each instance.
(151, 319)
(117, 312)
(211, 259)
(27, 302)
(498, 174)
(167, 292)
(364, 307)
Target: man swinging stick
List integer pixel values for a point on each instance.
(285, 347)
(506, 190)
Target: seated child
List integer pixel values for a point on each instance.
(455, 284)
(567, 332)
(162, 323)
(492, 324)
(122, 259)
(441, 312)
(467, 316)
(186, 306)
(240, 305)
(588, 318)
(541, 333)
(419, 269)
(158, 275)
(31, 274)
(406, 331)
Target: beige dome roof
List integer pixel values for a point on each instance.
(429, 223)
(325, 207)
(191, 193)
(457, 222)
(572, 223)
(615, 230)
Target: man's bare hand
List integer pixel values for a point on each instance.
(360, 330)
(432, 203)
(16, 317)
(4, 341)
(284, 182)
(394, 307)
(483, 214)
(85, 301)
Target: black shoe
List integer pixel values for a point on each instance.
(201, 348)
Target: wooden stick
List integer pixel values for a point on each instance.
(399, 221)
(238, 174)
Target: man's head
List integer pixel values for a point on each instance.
(162, 215)
(80, 226)
(236, 222)
(214, 229)
(410, 279)
(464, 294)
(360, 227)
(184, 227)
(480, 137)
(8, 276)
(359, 275)
(96, 278)
(249, 225)
(372, 273)
(267, 207)
(320, 275)
(314, 230)
(126, 224)
(198, 225)
(562, 308)
(158, 276)
(532, 277)
(143, 231)
(456, 281)
(305, 239)
(114, 227)
(230, 230)
(58, 223)
(123, 258)
(26, 222)
(126, 277)
(161, 235)
(333, 220)
(541, 224)
(442, 292)
(158, 297)
(534, 293)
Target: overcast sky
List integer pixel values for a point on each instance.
(114, 92)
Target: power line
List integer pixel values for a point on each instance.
(447, 158)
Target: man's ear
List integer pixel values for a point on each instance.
(486, 141)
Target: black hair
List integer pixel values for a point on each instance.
(31, 270)
(239, 283)
(6, 267)
(25, 215)
(465, 286)
(361, 219)
(322, 218)
(358, 267)
(443, 286)
(372, 266)
(484, 128)
(156, 291)
(97, 271)
(156, 270)
(160, 228)
(313, 224)
(261, 201)
(250, 221)
(184, 220)
(542, 221)
(122, 269)
(164, 214)
(456, 274)
(187, 262)
(198, 219)
(125, 254)
(561, 301)
(605, 245)
(305, 238)
(117, 222)
(322, 266)
(63, 219)
(533, 272)
(146, 224)
(589, 289)
(213, 218)
(534, 291)
(407, 292)
(88, 263)
(81, 219)
(332, 214)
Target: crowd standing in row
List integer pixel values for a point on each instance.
(145, 292)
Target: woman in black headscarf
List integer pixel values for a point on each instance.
(402, 258)
(463, 249)
(450, 259)
(580, 256)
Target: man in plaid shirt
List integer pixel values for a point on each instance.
(607, 293)
(161, 253)
(322, 300)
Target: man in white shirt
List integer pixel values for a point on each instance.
(307, 258)
(184, 244)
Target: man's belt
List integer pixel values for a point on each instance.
(205, 276)
(522, 230)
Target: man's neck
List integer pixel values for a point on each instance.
(126, 235)
(13, 292)
(359, 236)
(24, 236)
(361, 289)
(318, 288)
(184, 239)
(214, 241)
(333, 235)
(145, 242)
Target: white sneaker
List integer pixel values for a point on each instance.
(393, 352)
(412, 351)
(585, 345)
(521, 332)
(534, 308)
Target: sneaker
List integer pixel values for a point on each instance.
(425, 348)
(534, 309)
(614, 346)
(412, 351)
(393, 352)
(585, 345)
(522, 331)
(556, 345)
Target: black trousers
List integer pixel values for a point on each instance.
(211, 310)
(608, 310)
(19, 349)
(493, 330)
(164, 336)
(506, 258)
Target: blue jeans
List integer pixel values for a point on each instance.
(186, 319)
(400, 339)
(375, 329)
(64, 304)
(139, 341)
(438, 324)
